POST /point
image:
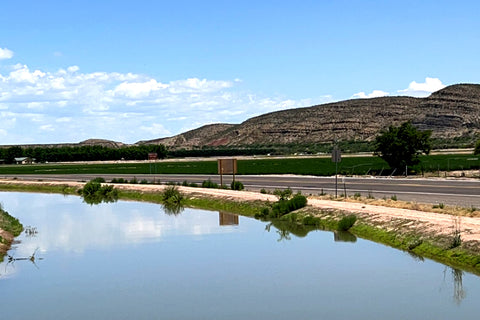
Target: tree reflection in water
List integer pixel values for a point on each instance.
(172, 208)
(457, 276)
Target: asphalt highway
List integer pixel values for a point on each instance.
(461, 192)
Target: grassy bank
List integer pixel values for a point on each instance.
(301, 222)
(321, 166)
(12, 227)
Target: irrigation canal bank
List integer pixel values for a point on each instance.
(451, 191)
(428, 234)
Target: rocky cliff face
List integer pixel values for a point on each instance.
(452, 112)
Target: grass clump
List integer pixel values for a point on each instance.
(438, 206)
(346, 222)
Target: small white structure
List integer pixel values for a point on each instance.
(24, 160)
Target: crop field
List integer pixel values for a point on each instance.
(301, 166)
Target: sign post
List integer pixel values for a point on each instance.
(227, 166)
(336, 157)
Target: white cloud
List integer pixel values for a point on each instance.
(156, 130)
(71, 106)
(373, 94)
(424, 89)
(73, 69)
(5, 54)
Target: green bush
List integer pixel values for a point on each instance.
(346, 222)
(209, 184)
(91, 188)
(282, 207)
(93, 193)
(237, 185)
(99, 179)
(171, 195)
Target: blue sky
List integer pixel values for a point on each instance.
(136, 70)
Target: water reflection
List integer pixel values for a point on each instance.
(227, 219)
(344, 236)
(172, 208)
(459, 292)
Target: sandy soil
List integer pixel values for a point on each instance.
(426, 222)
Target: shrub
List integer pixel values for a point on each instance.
(346, 222)
(209, 184)
(144, 181)
(263, 191)
(93, 193)
(283, 194)
(99, 179)
(134, 180)
(237, 185)
(394, 197)
(282, 207)
(90, 188)
(171, 195)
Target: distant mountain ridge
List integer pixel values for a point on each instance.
(453, 112)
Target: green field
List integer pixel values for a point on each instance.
(301, 166)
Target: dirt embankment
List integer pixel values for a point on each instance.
(389, 218)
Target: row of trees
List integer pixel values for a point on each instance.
(82, 153)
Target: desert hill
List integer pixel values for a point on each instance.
(453, 112)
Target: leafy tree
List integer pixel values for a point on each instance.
(477, 148)
(401, 146)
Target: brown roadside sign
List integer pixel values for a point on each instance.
(227, 166)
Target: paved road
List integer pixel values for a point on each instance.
(464, 193)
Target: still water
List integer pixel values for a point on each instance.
(130, 260)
